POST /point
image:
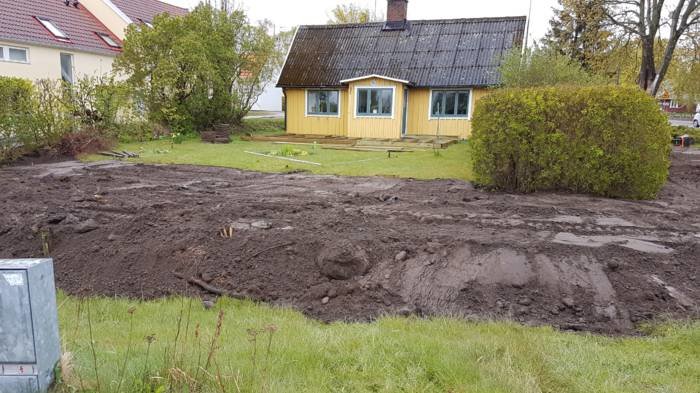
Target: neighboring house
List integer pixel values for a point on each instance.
(394, 79)
(117, 15)
(66, 39)
(671, 104)
(269, 100)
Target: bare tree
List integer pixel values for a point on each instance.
(227, 6)
(647, 20)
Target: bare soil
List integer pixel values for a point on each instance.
(342, 248)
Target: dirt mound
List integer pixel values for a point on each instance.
(358, 248)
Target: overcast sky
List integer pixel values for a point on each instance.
(287, 13)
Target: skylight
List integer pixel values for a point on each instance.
(50, 26)
(107, 39)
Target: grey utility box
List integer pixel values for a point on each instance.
(29, 342)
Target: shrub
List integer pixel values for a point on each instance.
(87, 140)
(541, 67)
(100, 103)
(52, 116)
(16, 103)
(605, 140)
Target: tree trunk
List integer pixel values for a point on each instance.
(647, 71)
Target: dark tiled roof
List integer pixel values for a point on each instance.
(431, 53)
(146, 10)
(18, 23)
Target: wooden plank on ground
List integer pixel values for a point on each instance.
(374, 149)
(283, 158)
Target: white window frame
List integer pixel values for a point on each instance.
(458, 117)
(72, 66)
(53, 28)
(6, 52)
(370, 116)
(306, 104)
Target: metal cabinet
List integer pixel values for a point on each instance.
(29, 341)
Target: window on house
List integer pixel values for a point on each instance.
(446, 103)
(322, 102)
(375, 101)
(109, 40)
(67, 67)
(50, 26)
(18, 55)
(147, 23)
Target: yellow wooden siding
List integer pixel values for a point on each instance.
(299, 123)
(372, 127)
(419, 122)
(349, 124)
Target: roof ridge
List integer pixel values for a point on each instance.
(173, 5)
(453, 20)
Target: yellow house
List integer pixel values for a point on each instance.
(394, 79)
(67, 39)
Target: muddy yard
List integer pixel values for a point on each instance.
(358, 248)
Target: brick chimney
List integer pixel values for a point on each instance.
(397, 11)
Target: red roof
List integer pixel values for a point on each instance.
(18, 23)
(146, 10)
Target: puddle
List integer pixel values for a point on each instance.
(622, 241)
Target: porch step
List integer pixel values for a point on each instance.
(406, 143)
(301, 139)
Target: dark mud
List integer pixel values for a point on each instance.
(357, 248)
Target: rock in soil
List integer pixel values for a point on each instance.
(86, 226)
(401, 256)
(543, 258)
(208, 304)
(342, 260)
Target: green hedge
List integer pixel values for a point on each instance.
(48, 115)
(606, 140)
(16, 103)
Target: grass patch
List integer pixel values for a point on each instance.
(167, 343)
(260, 127)
(451, 163)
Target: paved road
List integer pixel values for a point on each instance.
(687, 123)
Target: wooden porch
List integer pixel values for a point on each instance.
(408, 143)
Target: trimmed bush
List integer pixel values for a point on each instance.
(605, 140)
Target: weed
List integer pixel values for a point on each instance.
(92, 347)
(130, 311)
(288, 151)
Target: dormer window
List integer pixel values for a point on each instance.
(147, 23)
(50, 26)
(108, 40)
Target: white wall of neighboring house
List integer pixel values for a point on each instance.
(44, 62)
(270, 100)
(109, 14)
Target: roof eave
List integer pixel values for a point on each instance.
(67, 47)
(360, 78)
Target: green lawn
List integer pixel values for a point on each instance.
(391, 355)
(451, 163)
